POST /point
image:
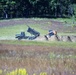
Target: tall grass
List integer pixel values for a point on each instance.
(41, 63)
(43, 67)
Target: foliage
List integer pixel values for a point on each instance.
(18, 72)
(21, 71)
(43, 73)
(74, 5)
(28, 8)
(0, 71)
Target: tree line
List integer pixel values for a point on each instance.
(36, 8)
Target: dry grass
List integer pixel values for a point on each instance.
(37, 59)
(38, 65)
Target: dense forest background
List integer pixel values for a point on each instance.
(37, 8)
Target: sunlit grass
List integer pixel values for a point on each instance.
(61, 56)
(60, 65)
(18, 72)
(22, 71)
(68, 20)
(0, 71)
(13, 30)
(45, 43)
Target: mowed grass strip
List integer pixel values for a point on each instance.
(40, 43)
(17, 29)
(12, 30)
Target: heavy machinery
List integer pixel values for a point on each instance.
(34, 34)
(21, 36)
(50, 33)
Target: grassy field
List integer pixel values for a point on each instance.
(11, 30)
(23, 57)
(39, 58)
(45, 43)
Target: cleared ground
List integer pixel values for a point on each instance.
(9, 28)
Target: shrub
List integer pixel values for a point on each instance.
(18, 72)
(0, 72)
(74, 9)
(43, 73)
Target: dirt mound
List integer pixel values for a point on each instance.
(73, 38)
(65, 38)
(40, 38)
(54, 38)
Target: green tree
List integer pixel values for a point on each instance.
(21, 8)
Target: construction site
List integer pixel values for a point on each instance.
(41, 46)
